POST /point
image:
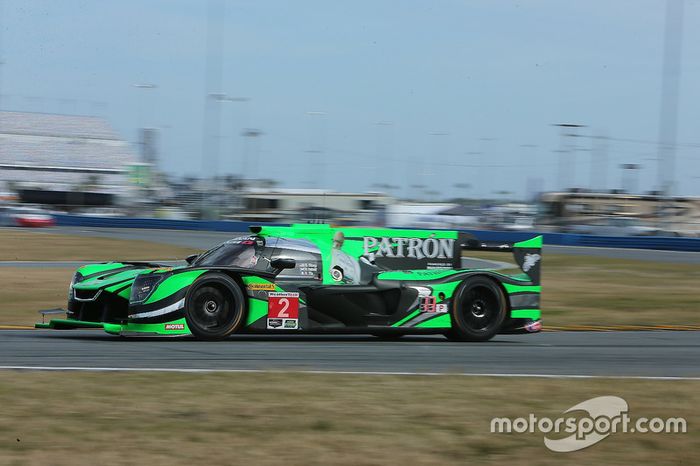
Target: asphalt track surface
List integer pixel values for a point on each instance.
(641, 354)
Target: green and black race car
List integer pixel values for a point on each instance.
(311, 279)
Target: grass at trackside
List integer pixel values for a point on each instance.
(601, 291)
(263, 419)
(20, 245)
(588, 290)
(26, 290)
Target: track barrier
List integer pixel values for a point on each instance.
(559, 239)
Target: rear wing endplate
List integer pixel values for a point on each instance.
(527, 253)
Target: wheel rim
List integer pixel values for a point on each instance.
(480, 309)
(211, 309)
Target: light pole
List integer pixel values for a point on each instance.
(668, 112)
(147, 89)
(484, 172)
(440, 156)
(224, 98)
(474, 175)
(532, 183)
(629, 177)
(316, 147)
(384, 152)
(251, 134)
(567, 130)
(146, 137)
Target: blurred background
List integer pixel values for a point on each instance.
(521, 116)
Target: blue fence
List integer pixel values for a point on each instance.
(151, 223)
(620, 242)
(560, 239)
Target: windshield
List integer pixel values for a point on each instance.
(238, 252)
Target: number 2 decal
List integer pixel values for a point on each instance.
(285, 305)
(282, 305)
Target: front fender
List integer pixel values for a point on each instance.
(167, 301)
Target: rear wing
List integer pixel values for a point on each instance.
(527, 253)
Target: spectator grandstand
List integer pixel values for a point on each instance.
(58, 156)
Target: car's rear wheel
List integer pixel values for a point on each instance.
(214, 307)
(478, 311)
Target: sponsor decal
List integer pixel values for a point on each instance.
(414, 248)
(428, 304)
(337, 274)
(282, 310)
(530, 261)
(308, 269)
(535, 326)
(274, 323)
(247, 240)
(261, 287)
(174, 326)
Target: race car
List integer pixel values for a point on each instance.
(313, 279)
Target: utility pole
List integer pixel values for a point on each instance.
(668, 115)
(567, 150)
(212, 110)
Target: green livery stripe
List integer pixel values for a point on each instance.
(407, 318)
(257, 309)
(180, 328)
(126, 292)
(89, 269)
(442, 321)
(526, 314)
(115, 280)
(70, 323)
(173, 284)
(417, 275)
(116, 288)
(533, 243)
(521, 289)
(447, 288)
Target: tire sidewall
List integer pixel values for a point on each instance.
(237, 303)
(460, 330)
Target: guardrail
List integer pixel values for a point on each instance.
(561, 239)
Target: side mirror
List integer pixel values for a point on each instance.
(283, 263)
(190, 259)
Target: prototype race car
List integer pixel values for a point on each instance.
(315, 278)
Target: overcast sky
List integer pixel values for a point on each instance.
(464, 84)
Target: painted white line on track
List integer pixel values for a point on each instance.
(292, 371)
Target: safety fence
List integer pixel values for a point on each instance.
(560, 239)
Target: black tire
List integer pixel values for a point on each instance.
(214, 307)
(478, 310)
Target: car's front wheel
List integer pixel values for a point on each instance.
(214, 307)
(478, 311)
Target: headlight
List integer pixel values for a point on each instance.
(143, 287)
(77, 278)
